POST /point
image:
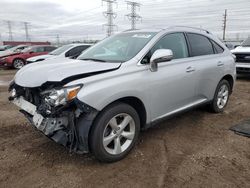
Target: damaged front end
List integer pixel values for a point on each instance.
(56, 112)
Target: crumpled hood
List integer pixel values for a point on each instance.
(34, 75)
(34, 59)
(241, 49)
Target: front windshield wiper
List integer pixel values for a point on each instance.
(93, 59)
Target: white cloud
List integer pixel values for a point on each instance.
(79, 19)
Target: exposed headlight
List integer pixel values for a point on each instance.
(56, 97)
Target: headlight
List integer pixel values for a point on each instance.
(56, 97)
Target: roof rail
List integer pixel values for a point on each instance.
(130, 30)
(196, 28)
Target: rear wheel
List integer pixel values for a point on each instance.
(18, 63)
(221, 97)
(114, 132)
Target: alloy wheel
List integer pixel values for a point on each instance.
(222, 96)
(18, 63)
(119, 134)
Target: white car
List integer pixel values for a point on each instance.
(242, 54)
(70, 50)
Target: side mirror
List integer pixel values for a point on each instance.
(159, 56)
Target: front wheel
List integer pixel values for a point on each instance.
(18, 63)
(221, 97)
(114, 132)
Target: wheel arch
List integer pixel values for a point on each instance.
(230, 80)
(137, 104)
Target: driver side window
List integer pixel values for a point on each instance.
(175, 42)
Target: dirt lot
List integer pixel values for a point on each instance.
(195, 149)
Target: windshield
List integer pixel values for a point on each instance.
(246, 42)
(60, 50)
(119, 48)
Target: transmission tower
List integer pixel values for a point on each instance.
(133, 16)
(224, 25)
(110, 15)
(10, 30)
(58, 40)
(26, 31)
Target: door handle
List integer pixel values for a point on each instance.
(220, 64)
(190, 69)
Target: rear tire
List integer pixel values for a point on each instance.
(221, 97)
(114, 132)
(18, 63)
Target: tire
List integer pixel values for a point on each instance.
(105, 135)
(221, 97)
(18, 63)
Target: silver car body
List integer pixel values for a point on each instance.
(178, 84)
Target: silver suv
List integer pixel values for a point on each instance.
(125, 83)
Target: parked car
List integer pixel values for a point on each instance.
(125, 83)
(70, 50)
(13, 50)
(17, 61)
(242, 54)
(5, 47)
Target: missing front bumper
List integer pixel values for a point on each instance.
(71, 129)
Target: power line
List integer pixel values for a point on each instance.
(110, 15)
(224, 24)
(133, 16)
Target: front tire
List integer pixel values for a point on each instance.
(18, 63)
(115, 132)
(221, 97)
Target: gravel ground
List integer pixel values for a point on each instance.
(194, 149)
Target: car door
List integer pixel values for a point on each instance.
(172, 87)
(209, 63)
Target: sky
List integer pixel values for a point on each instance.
(83, 19)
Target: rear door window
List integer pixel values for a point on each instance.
(38, 49)
(199, 45)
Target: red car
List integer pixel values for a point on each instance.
(17, 61)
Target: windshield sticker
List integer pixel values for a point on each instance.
(145, 36)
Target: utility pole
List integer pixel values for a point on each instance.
(133, 16)
(10, 30)
(57, 40)
(110, 15)
(224, 25)
(26, 31)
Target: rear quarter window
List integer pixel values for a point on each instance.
(217, 48)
